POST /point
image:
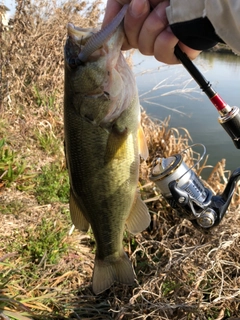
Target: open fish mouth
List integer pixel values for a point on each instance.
(77, 39)
(79, 34)
(87, 44)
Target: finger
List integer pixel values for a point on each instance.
(136, 14)
(112, 8)
(155, 23)
(154, 3)
(191, 53)
(164, 47)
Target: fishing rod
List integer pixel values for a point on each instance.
(179, 184)
(229, 116)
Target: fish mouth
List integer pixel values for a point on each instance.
(77, 39)
(94, 42)
(80, 35)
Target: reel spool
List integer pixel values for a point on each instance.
(183, 189)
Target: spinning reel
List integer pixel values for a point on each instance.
(180, 185)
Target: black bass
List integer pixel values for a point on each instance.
(103, 140)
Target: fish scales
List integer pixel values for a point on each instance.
(103, 140)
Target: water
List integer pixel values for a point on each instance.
(177, 95)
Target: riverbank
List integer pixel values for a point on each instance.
(45, 265)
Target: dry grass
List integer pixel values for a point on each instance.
(45, 273)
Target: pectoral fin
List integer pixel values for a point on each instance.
(142, 143)
(116, 145)
(139, 218)
(77, 216)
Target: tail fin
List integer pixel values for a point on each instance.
(109, 270)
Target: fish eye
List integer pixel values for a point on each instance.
(106, 94)
(71, 62)
(74, 62)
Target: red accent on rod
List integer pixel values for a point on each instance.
(218, 102)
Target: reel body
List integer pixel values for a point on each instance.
(186, 193)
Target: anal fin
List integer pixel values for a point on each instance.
(139, 218)
(78, 219)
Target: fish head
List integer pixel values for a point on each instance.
(103, 85)
(90, 76)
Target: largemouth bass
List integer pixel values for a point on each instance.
(103, 140)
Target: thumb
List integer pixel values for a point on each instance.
(112, 8)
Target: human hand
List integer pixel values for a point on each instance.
(147, 29)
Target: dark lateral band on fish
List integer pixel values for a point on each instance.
(96, 41)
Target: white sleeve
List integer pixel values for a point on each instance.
(225, 17)
(223, 14)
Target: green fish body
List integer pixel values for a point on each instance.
(103, 140)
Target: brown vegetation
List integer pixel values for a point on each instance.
(182, 274)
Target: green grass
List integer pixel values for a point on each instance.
(44, 243)
(44, 100)
(168, 287)
(48, 142)
(10, 166)
(52, 184)
(11, 207)
(31, 263)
